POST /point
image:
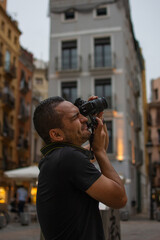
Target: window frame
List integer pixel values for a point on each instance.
(39, 81)
(69, 83)
(102, 39)
(95, 16)
(70, 59)
(103, 82)
(63, 20)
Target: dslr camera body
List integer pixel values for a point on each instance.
(91, 108)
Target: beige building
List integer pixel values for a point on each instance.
(40, 92)
(153, 146)
(9, 57)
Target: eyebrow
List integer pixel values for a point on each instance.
(75, 115)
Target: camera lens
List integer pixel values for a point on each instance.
(99, 105)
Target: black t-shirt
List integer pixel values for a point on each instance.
(65, 210)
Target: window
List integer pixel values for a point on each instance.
(9, 33)
(69, 55)
(69, 15)
(7, 61)
(3, 25)
(102, 48)
(101, 11)
(15, 40)
(23, 79)
(103, 88)
(39, 81)
(110, 135)
(69, 91)
(158, 116)
(29, 82)
(156, 94)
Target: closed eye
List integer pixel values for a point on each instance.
(75, 116)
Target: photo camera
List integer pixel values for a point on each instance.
(91, 108)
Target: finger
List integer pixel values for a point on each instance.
(100, 122)
(92, 98)
(100, 115)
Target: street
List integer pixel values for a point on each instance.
(134, 229)
(140, 230)
(16, 231)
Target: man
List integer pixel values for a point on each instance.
(21, 198)
(69, 185)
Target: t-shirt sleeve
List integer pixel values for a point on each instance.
(82, 173)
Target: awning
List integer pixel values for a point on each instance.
(26, 173)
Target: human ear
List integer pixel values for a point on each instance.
(56, 135)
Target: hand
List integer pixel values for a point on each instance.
(99, 140)
(100, 115)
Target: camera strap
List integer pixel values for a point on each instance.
(91, 141)
(46, 150)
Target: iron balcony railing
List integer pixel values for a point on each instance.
(10, 69)
(68, 64)
(24, 87)
(8, 99)
(1, 59)
(138, 121)
(136, 87)
(101, 62)
(8, 132)
(138, 156)
(24, 112)
(22, 143)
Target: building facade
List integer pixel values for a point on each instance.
(40, 92)
(153, 146)
(23, 108)
(9, 57)
(93, 51)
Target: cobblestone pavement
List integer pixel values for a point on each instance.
(134, 229)
(16, 231)
(140, 229)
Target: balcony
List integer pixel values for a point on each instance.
(7, 133)
(154, 142)
(108, 64)
(1, 59)
(137, 122)
(24, 87)
(8, 100)
(10, 70)
(136, 87)
(24, 113)
(149, 143)
(68, 65)
(22, 145)
(138, 157)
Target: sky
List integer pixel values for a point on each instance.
(32, 16)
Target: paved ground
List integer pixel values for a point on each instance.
(135, 229)
(16, 231)
(140, 229)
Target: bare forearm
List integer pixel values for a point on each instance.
(106, 167)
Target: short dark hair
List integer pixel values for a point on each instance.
(46, 117)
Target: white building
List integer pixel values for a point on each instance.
(93, 51)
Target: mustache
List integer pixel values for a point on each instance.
(84, 126)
